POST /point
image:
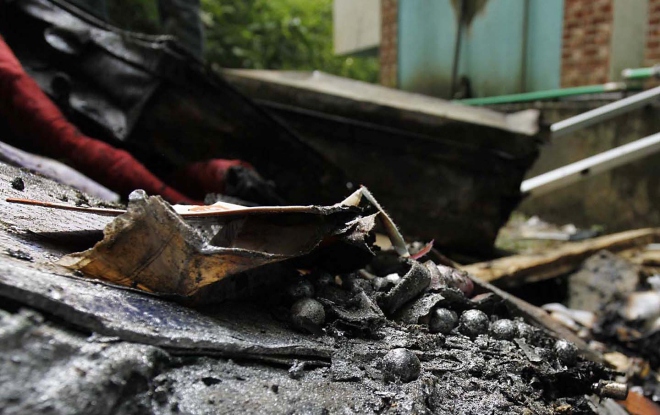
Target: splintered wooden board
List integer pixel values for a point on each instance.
(522, 269)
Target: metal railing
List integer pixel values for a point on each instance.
(603, 113)
(604, 161)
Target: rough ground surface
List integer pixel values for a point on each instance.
(47, 368)
(69, 345)
(602, 279)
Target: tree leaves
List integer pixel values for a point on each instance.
(259, 34)
(285, 34)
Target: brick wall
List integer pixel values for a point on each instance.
(388, 42)
(652, 47)
(586, 42)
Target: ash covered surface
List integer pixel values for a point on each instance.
(47, 368)
(623, 299)
(73, 345)
(341, 371)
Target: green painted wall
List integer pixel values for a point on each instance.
(426, 45)
(495, 55)
(543, 49)
(492, 48)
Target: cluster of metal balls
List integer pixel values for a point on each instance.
(475, 322)
(308, 315)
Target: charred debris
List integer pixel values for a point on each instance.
(177, 309)
(247, 307)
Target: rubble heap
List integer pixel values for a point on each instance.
(397, 335)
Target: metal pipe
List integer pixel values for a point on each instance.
(457, 47)
(548, 94)
(610, 389)
(640, 73)
(603, 113)
(599, 163)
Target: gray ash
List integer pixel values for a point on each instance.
(19, 254)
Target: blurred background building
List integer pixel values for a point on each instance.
(485, 48)
(499, 47)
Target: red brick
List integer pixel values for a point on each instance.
(591, 52)
(586, 41)
(389, 34)
(652, 46)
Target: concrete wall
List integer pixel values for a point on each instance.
(356, 26)
(628, 36)
(624, 198)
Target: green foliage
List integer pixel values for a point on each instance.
(278, 34)
(259, 34)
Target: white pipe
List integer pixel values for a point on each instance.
(603, 113)
(599, 163)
